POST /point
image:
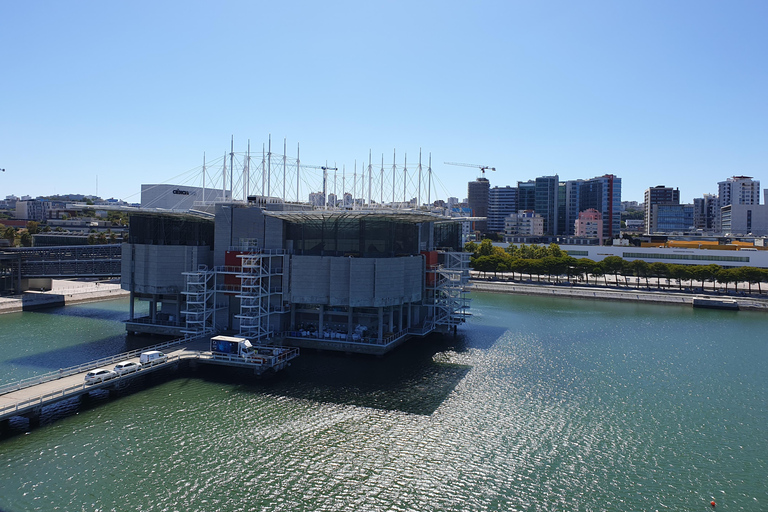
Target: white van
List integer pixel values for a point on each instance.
(152, 358)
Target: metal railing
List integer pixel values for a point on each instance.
(41, 400)
(73, 370)
(363, 340)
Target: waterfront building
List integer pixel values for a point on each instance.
(354, 280)
(729, 256)
(657, 196)
(502, 202)
(179, 197)
(590, 225)
(478, 193)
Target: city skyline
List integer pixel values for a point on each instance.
(654, 93)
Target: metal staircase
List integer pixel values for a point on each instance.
(261, 291)
(199, 295)
(446, 290)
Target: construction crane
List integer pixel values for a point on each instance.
(482, 168)
(325, 168)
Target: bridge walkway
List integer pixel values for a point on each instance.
(27, 398)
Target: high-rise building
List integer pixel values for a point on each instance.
(656, 196)
(603, 193)
(546, 202)
(706, 212)
(740, 190)
(478, 200)
(501, 202)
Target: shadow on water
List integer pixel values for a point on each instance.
(407, 379)
(96, 311)
(65, 357)
(95, 398)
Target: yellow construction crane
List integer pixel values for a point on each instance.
(482, 168)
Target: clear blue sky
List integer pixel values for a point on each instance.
(657, 92)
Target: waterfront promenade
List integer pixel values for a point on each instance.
(612, 293)
(62, 293)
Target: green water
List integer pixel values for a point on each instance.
(539, 404)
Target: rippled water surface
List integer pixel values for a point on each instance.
(538, 404)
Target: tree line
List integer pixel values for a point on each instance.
(556, 264)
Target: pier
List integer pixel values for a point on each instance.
(28, 397)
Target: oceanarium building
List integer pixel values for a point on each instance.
(353, 280)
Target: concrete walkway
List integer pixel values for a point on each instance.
(62, 293)
(602, 293)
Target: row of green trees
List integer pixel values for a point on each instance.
(555, 264)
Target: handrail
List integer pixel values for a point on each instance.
(73, 370)
(72, 389)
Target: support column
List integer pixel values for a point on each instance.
(131, 306)
(320, 322)
(400, 319)
(34, 419)
(410, 314)
(391, 319)
(381, 324)
(153, 308)
(350, 330)
(293, 317)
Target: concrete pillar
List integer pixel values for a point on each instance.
(153, 308)
(320, 321)
(293, 317)
(34, 419)
(350, 327)
(131, 307)
(410, 314)
(391, 319)
(381, 323)
(400, 319)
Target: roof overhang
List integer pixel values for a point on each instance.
(412, 216)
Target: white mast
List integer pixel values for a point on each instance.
(394, 171)
(232, 169)
(381, 181)
(418, 197)
(405, 179)
(370, 178)
(298, 166)
(429, 188)
(269, 167)
(285, 142)
(203, 177)
(247, 173)
(263, 168)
